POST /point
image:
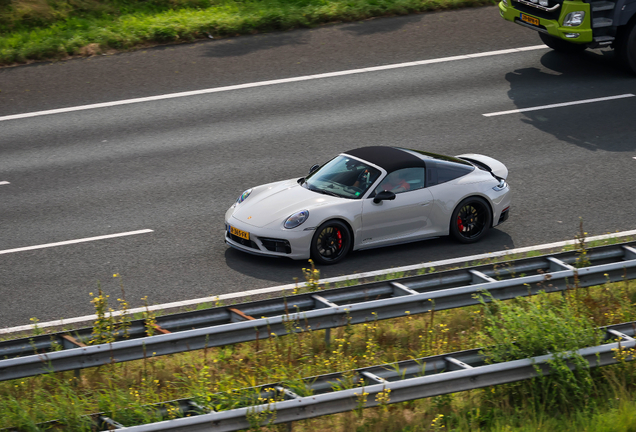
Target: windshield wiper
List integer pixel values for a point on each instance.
(312, 188)
(322, 191)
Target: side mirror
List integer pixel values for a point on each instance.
(384, 195)
(313, 168)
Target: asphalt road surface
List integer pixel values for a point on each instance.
(175, 165)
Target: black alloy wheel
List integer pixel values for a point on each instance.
(331, 242)
(470, 220)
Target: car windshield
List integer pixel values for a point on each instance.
(343, 177)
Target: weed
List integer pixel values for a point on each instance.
(36, 330)
(532, 327)
(104, 325)
(124, 317)
(581, 248)
(312, 277)
(150, 318)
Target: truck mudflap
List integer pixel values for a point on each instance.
(581, 34)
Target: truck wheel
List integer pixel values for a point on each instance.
(560, 45)
(625, 47)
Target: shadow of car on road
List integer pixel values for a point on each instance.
(284, 270)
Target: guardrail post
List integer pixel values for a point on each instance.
(630, 252)
(327, 337)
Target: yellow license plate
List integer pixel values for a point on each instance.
(237, 232)
(529, 19)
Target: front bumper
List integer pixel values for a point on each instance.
(272, 242)
(551, 26)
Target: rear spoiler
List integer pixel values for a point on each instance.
(493, 166)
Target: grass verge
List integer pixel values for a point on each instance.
(32, 30)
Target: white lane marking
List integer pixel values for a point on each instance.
(627, 95)
(280, 288)
(68, 242)
(271, 82)
(4, 182)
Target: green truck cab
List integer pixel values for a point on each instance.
(574, 25)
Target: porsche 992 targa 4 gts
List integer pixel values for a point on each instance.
(370, 197)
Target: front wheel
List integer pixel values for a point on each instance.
(625, 46)
(331, 242)
(470, 220)
(561, 45)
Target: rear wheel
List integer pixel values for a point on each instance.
(625, 46)
(561, 45)
(331, 242)
(470, 220)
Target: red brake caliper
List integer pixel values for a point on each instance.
(339, 239)
(460, 225)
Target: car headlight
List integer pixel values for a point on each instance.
(574, 19)
(244, 196)
(296, 219)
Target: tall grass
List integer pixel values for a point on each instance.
(53, 29)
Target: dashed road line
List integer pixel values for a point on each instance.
(68, 242)
(4, 183)
(586, 101)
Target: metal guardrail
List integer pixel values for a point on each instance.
(320, 310)
(407, 380)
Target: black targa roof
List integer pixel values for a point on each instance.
(389, 158)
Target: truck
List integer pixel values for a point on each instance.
(575, 25)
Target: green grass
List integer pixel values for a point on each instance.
(45, 30)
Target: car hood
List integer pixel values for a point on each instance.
(277, 201)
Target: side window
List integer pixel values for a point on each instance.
(403, 180)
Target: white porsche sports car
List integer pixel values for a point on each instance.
(370, 197)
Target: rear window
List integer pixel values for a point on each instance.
(446, 171)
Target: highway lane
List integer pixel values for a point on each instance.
(174, 166)
(215, 63)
